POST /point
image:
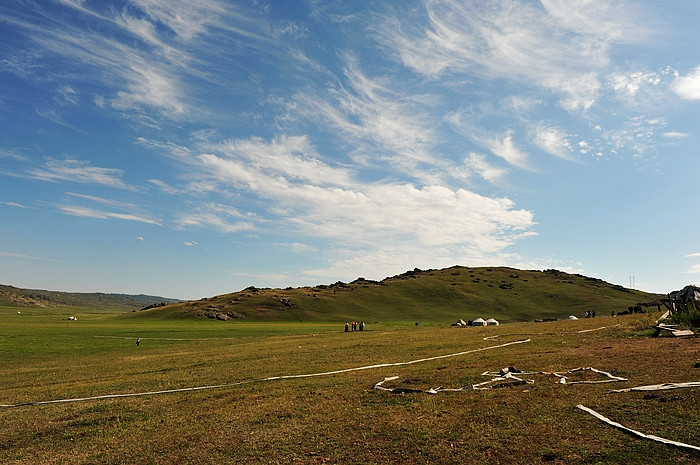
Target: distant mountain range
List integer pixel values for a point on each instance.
(10, 295)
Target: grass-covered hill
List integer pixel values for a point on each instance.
(14, 296)
(443, 296)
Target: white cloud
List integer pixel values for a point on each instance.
(186, 19)
(218, 217)
(477, 163)
(579, 91)
(637, 136)
(675, 135)
(290, 157)
(386, 127)
(688, 87)
(298, 247)
(506, 149)
(606, 20)
(100, 214)
(168, 189)
(151, 87)
(12, 155)
(190, 243)
(68, 95)
(562, 47)
(140, 238)
(127, 211)
(13, 204)
(629, 84)
(553, 141)
(80, 172)
(283, 175)
(149, 70)
(383, 215)
(500, 144)
(150, 81)
(103, 201)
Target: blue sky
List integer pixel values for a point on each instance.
(189, 149)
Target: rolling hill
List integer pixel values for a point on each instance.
(444, 295)
(14, 296)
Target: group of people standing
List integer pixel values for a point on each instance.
(352, 326)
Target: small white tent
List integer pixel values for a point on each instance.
(479, 322)
(571, 317)
(491, 322)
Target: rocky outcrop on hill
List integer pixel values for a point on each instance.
(218, 313)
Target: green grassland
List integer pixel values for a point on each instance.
(339, 417)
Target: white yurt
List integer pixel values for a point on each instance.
(571, 317)
(491, 322)
(479, 322)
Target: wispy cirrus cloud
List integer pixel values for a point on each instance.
(505, 147)
(554, 141)
(606, 20)
(21, 256)
(165, 187)
(103, 201)
(79, 171)
(150, 87)
(101, 214)
(219, 217)
(12, 155)
(560, 46)
(13, 204)
(117, 209)
(501, 143)
(142, 57)
(386, 126)
(478, 164)
(291, 157)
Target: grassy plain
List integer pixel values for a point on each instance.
(335, 418)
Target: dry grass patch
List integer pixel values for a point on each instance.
(340, 418)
